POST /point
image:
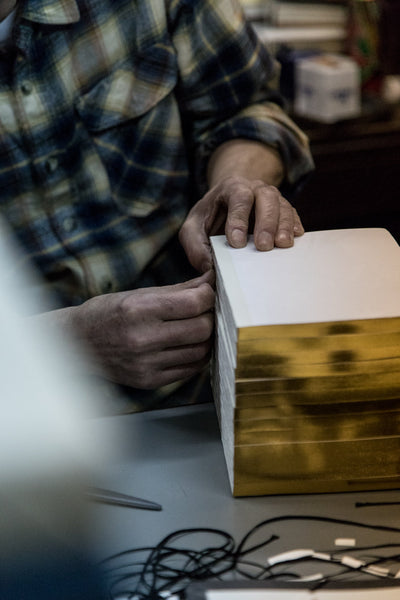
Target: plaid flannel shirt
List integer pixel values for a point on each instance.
(108, 113)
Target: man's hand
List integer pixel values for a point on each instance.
(237, 206)
(149, 337)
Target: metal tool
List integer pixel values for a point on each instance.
(110, 497)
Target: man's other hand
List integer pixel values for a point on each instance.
(237, 206)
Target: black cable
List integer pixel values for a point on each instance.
(368, 504)
(169, 566)
(311, 518)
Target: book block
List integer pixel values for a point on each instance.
(306, 368)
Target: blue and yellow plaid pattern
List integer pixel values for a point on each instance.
(108, 113)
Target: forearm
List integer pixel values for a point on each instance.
(245, 158)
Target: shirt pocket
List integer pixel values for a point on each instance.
(114, 113)
(130, 90)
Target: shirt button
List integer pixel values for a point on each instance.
(51, 164)
(26, 88)
(69, 224)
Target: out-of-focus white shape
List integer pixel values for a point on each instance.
(391, 89)
(45, 399)
(48, 451)
(345, 542)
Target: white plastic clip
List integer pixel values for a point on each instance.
(290, 555)
(322, 556)
(345, 542)
(315, 577)
(353, 563)
(379, 571)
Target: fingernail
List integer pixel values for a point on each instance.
(284, 239)
(265, 241)
(238, 238)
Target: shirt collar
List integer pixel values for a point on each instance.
(55, 12)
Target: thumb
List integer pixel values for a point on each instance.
(195, 242)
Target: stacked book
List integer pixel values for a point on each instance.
(300, 13)
(326, 38)
(306, 369)
(319, 25)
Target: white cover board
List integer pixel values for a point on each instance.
(332, 275)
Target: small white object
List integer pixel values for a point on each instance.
(322, 556)
(345, 542)
(353, 563)
(391, 89)
(379, 571)
(314, 577)
(327, 88)
(290, 555)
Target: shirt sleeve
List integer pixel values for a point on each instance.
(227, 88)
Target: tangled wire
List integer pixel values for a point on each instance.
(156, 573)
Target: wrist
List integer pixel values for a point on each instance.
(246, 158)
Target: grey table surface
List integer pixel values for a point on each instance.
(175, 457)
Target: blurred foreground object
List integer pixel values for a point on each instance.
(47, 454)
(389, 49)
(363, 42)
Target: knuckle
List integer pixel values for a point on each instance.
(237, 188)
(286, 207)
(194, 302)
(145, 377)
(141, 375)
(206, 326)
(271, 195)
(136, 342)
(201, 352)
(286, 219)
(233, 181)
(259, 183)
(239, 212)
(167, 303)
(203, 328)
(275, 190)
(129, 306)
(200, 299)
